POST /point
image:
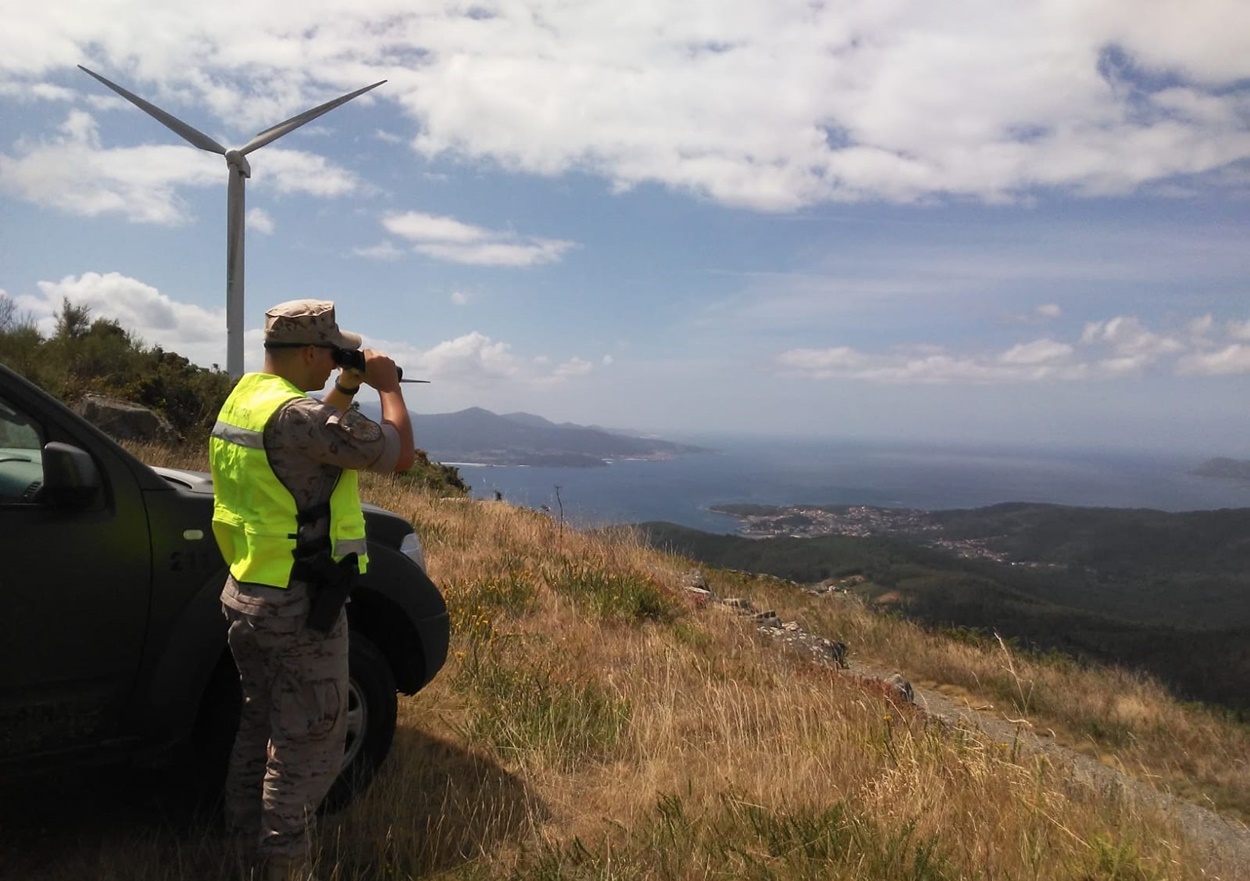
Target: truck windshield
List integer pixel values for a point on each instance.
(21, 456)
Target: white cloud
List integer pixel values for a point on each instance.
(258, 220)
(296, 171)
(824, 363)
(384, 250)
(915, 99)
(497, 253)
(769, 104)
(29, 93)
(928, 367)
(445, 238)
(1231, 359)
(478, 362)
(419, 227)
(73, 173)
(1239, 330)
(460, 298)
(1049, 310)
(1114, 349)
(474, 359)
(1036, 352)
(1126, 337)
(574, 367)
(1201, 326)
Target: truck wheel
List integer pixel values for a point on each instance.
(371, 711)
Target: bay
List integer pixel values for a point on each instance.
(789, 471)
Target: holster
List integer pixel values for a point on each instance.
(329, 585)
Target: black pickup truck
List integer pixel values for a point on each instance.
(112, 639)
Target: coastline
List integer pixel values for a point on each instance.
(787, 473)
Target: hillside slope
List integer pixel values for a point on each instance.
(1100, 585)
(655, 737)
(598, 720)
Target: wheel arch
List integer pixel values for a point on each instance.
(178, 673)
(397, 606)
(396, 636)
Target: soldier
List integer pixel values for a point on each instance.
(288, 520)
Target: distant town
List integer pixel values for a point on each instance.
(804, 521)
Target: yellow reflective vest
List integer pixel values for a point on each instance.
(254, 515)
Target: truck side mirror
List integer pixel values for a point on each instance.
(70, 476)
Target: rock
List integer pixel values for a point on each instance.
(740, 603)
(700, 596)
(768, 619)
(123, 420)
(901, 687)
(694, 580)
(695, 584)
(836, 651)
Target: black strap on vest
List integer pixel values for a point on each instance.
(312, 514)
(329, 582)
(306, 549)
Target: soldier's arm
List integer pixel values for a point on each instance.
(313, 430)
(381, 373)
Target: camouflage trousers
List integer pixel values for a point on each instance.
(292, 729)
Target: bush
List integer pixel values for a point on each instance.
(101, 357)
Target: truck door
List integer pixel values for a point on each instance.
(74, 591)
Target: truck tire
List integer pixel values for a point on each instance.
(371, 712)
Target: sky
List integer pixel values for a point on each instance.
(982, 222)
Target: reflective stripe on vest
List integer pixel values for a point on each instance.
(254, 515)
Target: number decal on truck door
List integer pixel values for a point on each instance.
(182, 561)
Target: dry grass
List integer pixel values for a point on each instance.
(191, 457)
(614, 735)
(1120, 717)
(591, 724)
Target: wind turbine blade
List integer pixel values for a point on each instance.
(194, 136)
(290, 125)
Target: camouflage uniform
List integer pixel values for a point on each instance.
(292, 729)
(289, 747)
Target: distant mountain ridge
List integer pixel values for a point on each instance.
(1224, 468)
(478, 435)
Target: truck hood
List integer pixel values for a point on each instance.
(200, 482)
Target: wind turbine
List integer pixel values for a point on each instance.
(239, 170)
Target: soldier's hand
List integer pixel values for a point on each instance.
(350, 377)
(380, 371)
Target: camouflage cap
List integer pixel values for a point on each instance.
(307, 323)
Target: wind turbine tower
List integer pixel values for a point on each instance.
(240, 171)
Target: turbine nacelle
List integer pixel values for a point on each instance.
(236, 160)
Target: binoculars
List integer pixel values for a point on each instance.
(354, 359)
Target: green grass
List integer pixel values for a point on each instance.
(526, 705)
(614, 594)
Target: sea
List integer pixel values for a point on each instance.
(879, 474)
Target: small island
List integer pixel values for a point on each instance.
(1224, 469)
